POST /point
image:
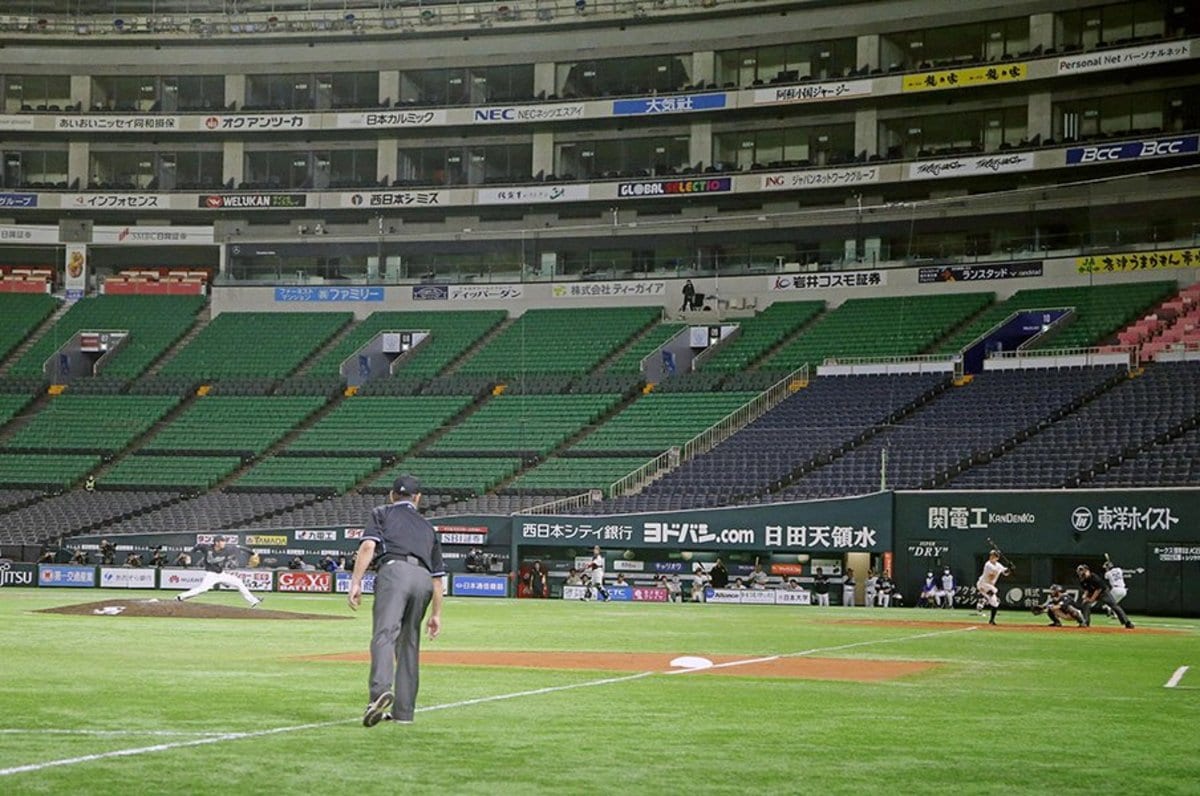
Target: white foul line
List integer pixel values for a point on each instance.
(237, 736)
(1175, 678)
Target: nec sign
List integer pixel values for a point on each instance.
(1131, 150)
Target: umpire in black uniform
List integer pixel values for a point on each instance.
(1093, 590)
(409, 578)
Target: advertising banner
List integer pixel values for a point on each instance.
(644, 594)
(812, 92)
(732, 596)
(820, 178)
(970, 166)
(797, 597)
(463, 585)
(328, 535)
(66, 575)
(179, 579)
(528, 195)
(486, 292)
(255, 579)
(425, 198)
(28, 233)
(250, 201)
(967, 77)
(304, 581)
(15, 573)
(303, 294)
(621, 565)
(859, 524)
(152, 235)
(94, 122)
(125, 578)
(260, 122)
(462, 534)
(527, 113)
(341, 583)
(643, 287)
(653, 188)
(381, 120)
(18, 201)
(111, 201)
(76, 282)
(1123, 57)
(1138, 261)
(1133, 150)
(980, 272)
(829, 280)
(682, 103)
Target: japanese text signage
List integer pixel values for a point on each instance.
(599, 289)
(830, 280)
(812, 92)
(66, 575)
(298, 294)
(1124, 57)
(965, 78)
(251, 201)
(834, 526)
(979, 272)
(527, 113)
(1138, 261)
(820, 178)
(683, 103)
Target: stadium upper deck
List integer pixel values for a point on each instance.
(602, 138)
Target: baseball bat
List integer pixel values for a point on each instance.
(1003, 557)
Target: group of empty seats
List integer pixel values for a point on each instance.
(523, 424)
(20, 314)
(1174, 323)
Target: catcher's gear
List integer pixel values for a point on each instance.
(1038, 610)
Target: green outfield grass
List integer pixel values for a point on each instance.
(1005, 711)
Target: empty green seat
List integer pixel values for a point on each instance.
(233, 424)
(255, 344)
(99, 423)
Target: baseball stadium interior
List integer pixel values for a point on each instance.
(589, 258)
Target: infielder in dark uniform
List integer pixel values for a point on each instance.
(1093, 590)
(409, 578)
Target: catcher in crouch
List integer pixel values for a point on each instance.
(1058, 606)
(986, 584)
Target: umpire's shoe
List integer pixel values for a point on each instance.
(378, 707)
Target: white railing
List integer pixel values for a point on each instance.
(1126, 355)
(712, 436)
(1179, 352)
(356, 18)
(563, 505)
(908, 363)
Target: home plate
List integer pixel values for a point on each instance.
(691, 662)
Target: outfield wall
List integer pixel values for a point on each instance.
(1046, 533)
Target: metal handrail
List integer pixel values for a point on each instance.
(1132, 352)
(712, 436)
(562, 504)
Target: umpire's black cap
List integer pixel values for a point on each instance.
(406, 485)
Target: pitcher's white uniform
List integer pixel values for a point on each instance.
(986, 584)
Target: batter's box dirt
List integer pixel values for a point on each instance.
(805, 668)
(178, 610)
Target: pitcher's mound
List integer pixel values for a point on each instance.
(175, 609)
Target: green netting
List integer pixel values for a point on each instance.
(152, 472)
(451, 333)
(524, 423)
(458, 474)
(761, 333)
(242, 424)
(574, 474)
(658, 421)
(255, 344)
(879, 328)
(559, 341)
(20, 314)
(379, 425)
(91, 422)
(630, 362)
(307, 473)
(60, 470)
(154, 324)
(1100, 311)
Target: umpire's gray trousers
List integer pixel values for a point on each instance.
(402, 593)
